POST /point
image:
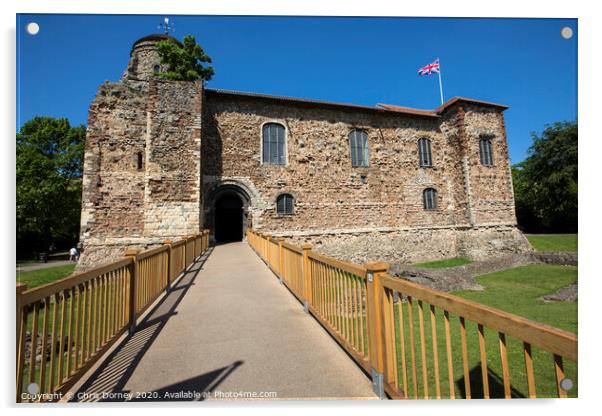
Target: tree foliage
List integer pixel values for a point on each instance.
(49, 163)
(186, 61)
(545, 184)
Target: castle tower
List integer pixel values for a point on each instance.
(142, 163)
(144, 58)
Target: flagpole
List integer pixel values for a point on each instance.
(440, 83)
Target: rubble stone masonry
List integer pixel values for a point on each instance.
(159, 154)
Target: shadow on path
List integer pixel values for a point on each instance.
(108, 381)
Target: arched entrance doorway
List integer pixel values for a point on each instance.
(228, 218)
(227, 211)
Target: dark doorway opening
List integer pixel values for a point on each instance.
(228, 219)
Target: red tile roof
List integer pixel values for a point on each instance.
(383, 108)
(400, 109)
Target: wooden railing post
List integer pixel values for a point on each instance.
(194, 245)
(268, 245)
(21, 329)
(169, 265)
(280, 273)
(189, 258)
(307, 284)
(132, 305)
(376, 348)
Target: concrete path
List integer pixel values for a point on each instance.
(39, 266)
(228, 330)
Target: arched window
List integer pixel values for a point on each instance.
(358, 142)
(424, 152)
(157, 69)
(485, 151)
(274, 144)
(284, 204)
(429, 199)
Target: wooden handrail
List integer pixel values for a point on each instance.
(546, 337)
(152, 252)
(178, 243)
(39, 293)
(292, 247)
(343, 265)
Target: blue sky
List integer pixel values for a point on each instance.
(523, 63)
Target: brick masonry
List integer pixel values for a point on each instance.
(160, 153)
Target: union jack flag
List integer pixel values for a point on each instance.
(430, 68)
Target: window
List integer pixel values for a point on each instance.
(284, 204)
(139, 160)
(157, 69)
(429, 199)
(358, 142)
(274, 144)
(424, 152)
(485, 151)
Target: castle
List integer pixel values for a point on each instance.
(164, 159)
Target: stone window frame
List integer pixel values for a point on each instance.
(485, 159)
(286, 134)
(433, 205)
(365, 131)
(429, 163)
(294, 200)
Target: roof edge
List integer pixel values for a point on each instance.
(155, 37)
(458, 99)
(380, 107)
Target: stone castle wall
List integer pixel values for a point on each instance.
(329, 193)
(383, 217)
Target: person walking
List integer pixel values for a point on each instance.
(73, 254)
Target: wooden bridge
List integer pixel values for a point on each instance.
(265, 319)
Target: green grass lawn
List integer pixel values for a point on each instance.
(43, 276)
(515, 291)
(553, 242)
(439, 264)
(518, 291)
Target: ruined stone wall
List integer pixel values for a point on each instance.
(172, 198)
(113, 186)
(142, 174)
(417, 244)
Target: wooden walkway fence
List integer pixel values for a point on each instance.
(381, 321)
(64, 327)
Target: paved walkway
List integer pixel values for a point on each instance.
(39, 266)
(228, 327)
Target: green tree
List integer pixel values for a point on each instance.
(49, 170)
(545, 184)
(185, 61)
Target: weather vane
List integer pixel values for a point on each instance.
(166, 27)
